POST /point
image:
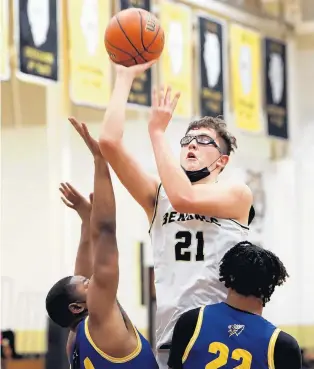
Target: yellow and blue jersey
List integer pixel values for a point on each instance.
(228, 338)
(86, 355)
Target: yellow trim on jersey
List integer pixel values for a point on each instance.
(111, 358)
(271, 348)
(195, 334)
(155, 207)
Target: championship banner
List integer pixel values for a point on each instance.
(4, 41)
(276, 88)
(177, 59)
(38, 40)
(211, 45)
(245, 58)
(90, 68)
(140, 93)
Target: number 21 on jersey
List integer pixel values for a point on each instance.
(223, 356)
(182, 252)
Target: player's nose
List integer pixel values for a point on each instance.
(192, 145)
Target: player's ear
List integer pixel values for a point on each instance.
(76, 308)
(222, 162)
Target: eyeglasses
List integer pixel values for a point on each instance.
(200, 139)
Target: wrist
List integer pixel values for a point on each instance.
(125, 77)
(85, 217)
(155, 133)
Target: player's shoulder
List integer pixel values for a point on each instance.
(287, 352)
(239, 188)
(286, 342)
(189, 317)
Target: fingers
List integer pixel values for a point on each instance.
(155, 101)
(73, 190)
(75, 124)
(175, 100)
(164, 98)
(91, 198)
(67, 203)
(148, 64)
(168, 96)
(67, 190)
(161, 96)
(86, 131)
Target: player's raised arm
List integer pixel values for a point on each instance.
(74, 200)
(230, 200)
(103, 234)
(104, 281)
(140, 185)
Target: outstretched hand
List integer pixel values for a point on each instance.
(82, 130)
(163, 106)
(74, 200)
(134, 70)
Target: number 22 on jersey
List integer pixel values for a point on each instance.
(223, 356)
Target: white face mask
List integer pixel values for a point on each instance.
(38, 16)
(211, 57)
(175, 46)
(276, 77)
(90, 25)
(245, 68)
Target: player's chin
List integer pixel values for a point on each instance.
(191, 165)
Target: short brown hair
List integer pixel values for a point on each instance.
(228, 142)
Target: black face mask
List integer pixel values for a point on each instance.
(197, 175)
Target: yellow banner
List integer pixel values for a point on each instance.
(90, 77)
(4, 40)
(177, 58)
(245, 59)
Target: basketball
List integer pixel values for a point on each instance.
(134, 36)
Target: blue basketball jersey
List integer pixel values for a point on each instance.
(228, 338)
(86, 355)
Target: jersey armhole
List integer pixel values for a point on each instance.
(271, 348)
(155, 208)
(195, 334)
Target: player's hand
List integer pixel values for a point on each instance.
(74, 200)
(82, 130)
(163, 106)
(134, 70)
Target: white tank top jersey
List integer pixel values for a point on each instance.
(187, 251)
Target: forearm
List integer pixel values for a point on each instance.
(103, 217)
(103, 210)
(113, 123)
(169, 169)
(84, 256)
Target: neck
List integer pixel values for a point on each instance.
(212, 178)
(250, 304)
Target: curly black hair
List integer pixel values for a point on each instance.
(58, 299)
(252, 271)
(228, 142)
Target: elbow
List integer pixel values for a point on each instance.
(108, 144)
(99, 229)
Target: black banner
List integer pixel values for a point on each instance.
(276, 88)
(141, 89)
(38, 38)
(211, 67)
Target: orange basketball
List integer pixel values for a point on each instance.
(134, 36)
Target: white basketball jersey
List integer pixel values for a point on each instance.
(187, 251)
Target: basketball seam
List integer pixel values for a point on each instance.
(146, 48)
(126, 36)
(125, 52)
(142, 41)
